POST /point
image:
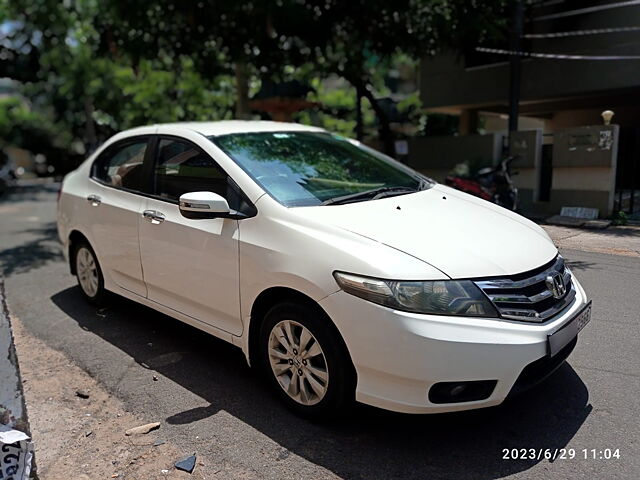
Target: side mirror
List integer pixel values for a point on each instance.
(199, 205)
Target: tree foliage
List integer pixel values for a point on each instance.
(353, 39)
(92, 67)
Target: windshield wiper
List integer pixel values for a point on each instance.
(375, 193)
(425, 183)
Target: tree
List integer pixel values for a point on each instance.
(357, 39)
(352, 39)
(99, 66)
(86, 94)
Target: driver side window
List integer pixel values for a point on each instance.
(182, 167)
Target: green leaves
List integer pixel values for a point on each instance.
(82, 85)
(92, 67)
(152, 95)
(22, 127)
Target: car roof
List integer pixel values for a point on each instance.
(226, 127)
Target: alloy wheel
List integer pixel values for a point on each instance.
(87, 271)
(298, 362)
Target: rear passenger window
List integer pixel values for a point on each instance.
(182, 167)
(121, 166)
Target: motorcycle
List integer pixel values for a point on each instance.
(493, 184)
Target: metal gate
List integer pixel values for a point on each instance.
(627, 197)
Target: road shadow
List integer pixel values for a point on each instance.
(623, 231)
(41, 248)
(368, 444)
(612, 231)
(30, 191)
(581, 265)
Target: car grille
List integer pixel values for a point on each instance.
(528, 296)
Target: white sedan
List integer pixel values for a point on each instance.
(340, 272)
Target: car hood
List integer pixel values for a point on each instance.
(461, 235)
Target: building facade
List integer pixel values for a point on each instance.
(558, 96)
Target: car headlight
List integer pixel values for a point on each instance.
(439, 297)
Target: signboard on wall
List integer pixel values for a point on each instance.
(590, 146)
(526, 147)
(584, 166)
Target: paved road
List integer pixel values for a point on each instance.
(213, 403)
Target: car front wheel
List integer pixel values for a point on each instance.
(306, 364)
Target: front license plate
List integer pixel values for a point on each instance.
(558, 339)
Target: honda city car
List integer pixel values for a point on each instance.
(341, 273)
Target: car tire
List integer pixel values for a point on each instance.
(315, 379)
(88, 273)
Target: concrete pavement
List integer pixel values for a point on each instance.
(623, 240)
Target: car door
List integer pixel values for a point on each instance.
(114, 202)
(190, 266)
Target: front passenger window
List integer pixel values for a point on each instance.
(182, 167)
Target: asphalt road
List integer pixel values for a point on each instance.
(213, 404)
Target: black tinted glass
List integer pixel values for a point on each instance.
(181, 167)
(121, 165)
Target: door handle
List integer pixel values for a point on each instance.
(153, 216)
(95, 200)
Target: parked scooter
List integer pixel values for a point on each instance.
(491, 183)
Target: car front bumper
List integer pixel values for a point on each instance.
(399, 356)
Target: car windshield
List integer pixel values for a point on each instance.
(315, 168)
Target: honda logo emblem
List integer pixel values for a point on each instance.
(555, 284)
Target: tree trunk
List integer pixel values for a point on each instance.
(90, 126)
(359, 129)
(386, 135)
(243, 110)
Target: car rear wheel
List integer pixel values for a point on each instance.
(89, 274)
(305, 363)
